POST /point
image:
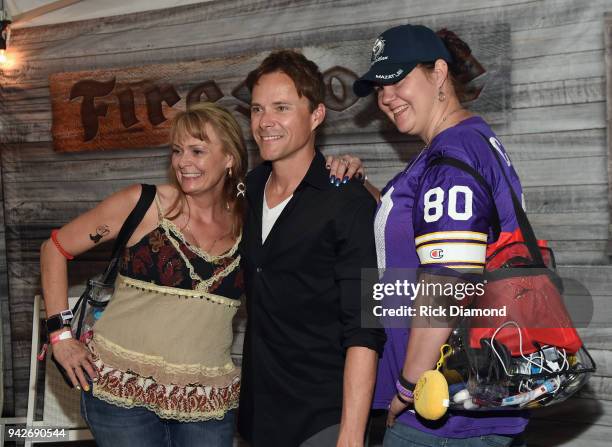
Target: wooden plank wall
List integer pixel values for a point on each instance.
(3, 305)
(555, 132)
(608, 68)
(7, 402)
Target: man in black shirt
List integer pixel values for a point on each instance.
(308, 366)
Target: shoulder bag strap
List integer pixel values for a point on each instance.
(133, 220)
(521, 216)
(450, 161)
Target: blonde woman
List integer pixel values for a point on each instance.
(158, 370)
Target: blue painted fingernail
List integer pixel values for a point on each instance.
(345, 179)
(332, 179)
(337, 183)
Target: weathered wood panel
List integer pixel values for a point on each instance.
(561, 118)
(527, 15)
(7, 401)
(524, 14)
(577, 423)
(558, 67)
(549, 93)
(266, 17)
(608, 58)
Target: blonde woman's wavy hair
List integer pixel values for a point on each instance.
(192, 122)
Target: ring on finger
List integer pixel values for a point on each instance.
(344, 161)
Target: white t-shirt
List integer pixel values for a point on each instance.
(270, 215)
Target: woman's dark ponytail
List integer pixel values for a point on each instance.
(464, 67)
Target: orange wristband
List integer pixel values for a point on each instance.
(64, 253)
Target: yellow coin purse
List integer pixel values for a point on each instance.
(431, 398)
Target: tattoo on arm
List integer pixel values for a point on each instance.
(101, 231)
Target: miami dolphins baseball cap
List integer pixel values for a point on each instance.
(396, 52)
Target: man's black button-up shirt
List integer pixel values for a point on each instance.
(303, 303)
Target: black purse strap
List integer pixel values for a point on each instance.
(450, 161)
(521, 217)
(127, 229)
(519, 212)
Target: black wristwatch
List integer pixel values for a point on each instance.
(58, 321)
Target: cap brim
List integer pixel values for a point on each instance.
(381, 74)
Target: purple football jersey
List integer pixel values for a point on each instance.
(439, 216)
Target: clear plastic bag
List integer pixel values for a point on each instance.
(90, 306)
(489, 377)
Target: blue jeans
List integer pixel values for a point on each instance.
(401, 435)
(114, 426)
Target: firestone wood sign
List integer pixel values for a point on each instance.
(122, 108)
(132, 107)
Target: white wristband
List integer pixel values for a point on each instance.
(64, 335)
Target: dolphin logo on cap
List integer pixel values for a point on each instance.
(378, 48)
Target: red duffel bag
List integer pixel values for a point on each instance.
(530, 293)
(521, 279)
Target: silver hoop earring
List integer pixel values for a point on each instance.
(229, 172)
(241, 189)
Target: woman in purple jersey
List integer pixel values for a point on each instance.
(416, 75)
